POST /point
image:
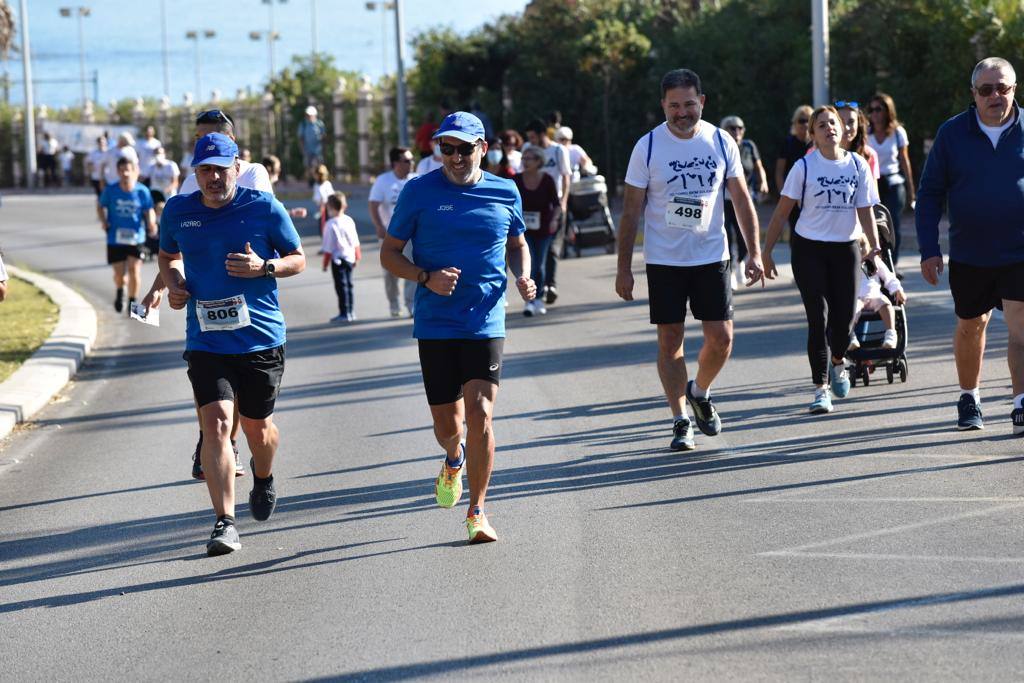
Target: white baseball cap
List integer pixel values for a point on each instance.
(311, 110)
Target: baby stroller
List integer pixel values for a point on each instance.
(871, 355)
(590, 222)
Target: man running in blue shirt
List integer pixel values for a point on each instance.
(126, 215)
(462, 223)
(219, 258)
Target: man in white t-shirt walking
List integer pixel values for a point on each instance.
(556, 165)
(94, 164)
(146, 149)
(383, 197)
(681, 169)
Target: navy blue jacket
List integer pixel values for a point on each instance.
(981, 187)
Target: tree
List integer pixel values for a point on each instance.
(6, 28)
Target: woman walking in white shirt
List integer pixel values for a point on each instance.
(834, 189)
(896, 181)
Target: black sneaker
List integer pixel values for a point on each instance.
(197, 465)
(1017, 417)
(682, 436)
(119, 300)
(703, 412)
(550, 294)
(968, 414)
(131, 302)
(262, 499)
(224, 539)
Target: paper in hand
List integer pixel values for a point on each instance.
(146, 316)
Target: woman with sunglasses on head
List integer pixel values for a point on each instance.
(896, 184)
(794, 148)
(541, 213)
(757, 182)
(836, 192)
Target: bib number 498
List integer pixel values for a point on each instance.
(689, 212)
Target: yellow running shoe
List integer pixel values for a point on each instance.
(480, 530)
(448, 487)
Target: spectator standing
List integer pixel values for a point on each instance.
(311, 140)
(67, 163)
(47, 154)
(322, 189)
(94, 164)
(794, 147)
(146, 149)
(896, 184)
(556, 164)
(383, 198)
(341, 251)
(579, 161)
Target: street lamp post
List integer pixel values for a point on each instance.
(403, 117)
(194, 36)
(30, 119)
(819, 51)
(384, 6)
(271, 34)
(80, 12)
(270, 37)
(163, 48)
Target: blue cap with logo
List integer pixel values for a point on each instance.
(215, 149)
(461, 125)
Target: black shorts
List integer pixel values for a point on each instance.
(116, 253)
(978, 289)
(153, 245)
(96, 187)
(708, 289)
(254, 379)
(158, 196)
(447, 364)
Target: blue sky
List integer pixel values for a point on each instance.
(122, 42)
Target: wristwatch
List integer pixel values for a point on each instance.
(268, 268)
(423, 277)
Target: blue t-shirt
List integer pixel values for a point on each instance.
(126, 224)
(204, 237)
(465, 226)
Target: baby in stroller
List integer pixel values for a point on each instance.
(871, 299)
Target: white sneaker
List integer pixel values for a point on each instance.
(538, 306)
(528, 309)
(854, 343)
(889, 340)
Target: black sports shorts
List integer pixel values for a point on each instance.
(254, 379)
(447, 364)
(707, 287)
(978, 289)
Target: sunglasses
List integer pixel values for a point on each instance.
(734, 128)
(989, 88)
(803, 122)
(848, 104)
(465, 149)
(213, 116)
(875, 109)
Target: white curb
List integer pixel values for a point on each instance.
(39, 378)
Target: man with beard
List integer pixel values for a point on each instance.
(235, 332)
(681, 169)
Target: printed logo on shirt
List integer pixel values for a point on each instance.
(838, 191)
(446, 207)
(696, 174)
(191, 224)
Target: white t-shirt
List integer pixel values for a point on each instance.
(94, 160)
(3, 270)
(515, 160)
(110, 162)
(250, 175)
(428, 164)
(66, 160)
(556, 164)
(341, 238)
(683, 176)
(993, 132)
(831, 195)
(321, 192)
(162, 175)
(146, 150)
(385, 190)
(888, 151)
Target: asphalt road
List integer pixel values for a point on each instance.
(873, 543)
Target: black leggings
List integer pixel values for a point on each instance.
(826, 273)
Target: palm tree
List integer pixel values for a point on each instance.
(6, 28)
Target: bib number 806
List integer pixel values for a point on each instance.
(222, 314)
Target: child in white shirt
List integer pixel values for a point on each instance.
(322, 189)
(871, 299)
(342, 251)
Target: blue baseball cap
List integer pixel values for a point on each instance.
(215, 149)
(461, 125)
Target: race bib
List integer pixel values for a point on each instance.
(532, 220)
(128, 237)
(688, 213)
(222, 315)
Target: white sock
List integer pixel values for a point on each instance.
(1018, 401)
(700, 393)
(976, 393)
(682, 416)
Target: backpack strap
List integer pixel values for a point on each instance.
(650, 147)
(803, 189)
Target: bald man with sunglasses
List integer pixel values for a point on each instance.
(463, 223)
(975, 171)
